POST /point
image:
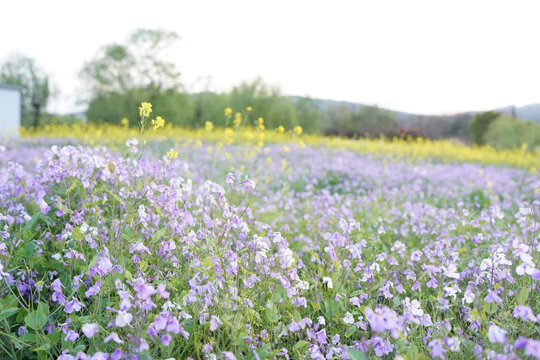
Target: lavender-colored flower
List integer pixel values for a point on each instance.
(114, 337)
(90, 330)
(524, 313)
(73, 306)
(214, 323)
(437, 349)
(166, 339)
(496, 334)
(123, 318)
(71, 336)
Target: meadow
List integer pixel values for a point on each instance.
(155, 242)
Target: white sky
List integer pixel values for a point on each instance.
(419, 56)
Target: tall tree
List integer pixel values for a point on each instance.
(139, 63)
(480, 125)
(24, 72)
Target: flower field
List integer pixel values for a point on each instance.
(263, 244)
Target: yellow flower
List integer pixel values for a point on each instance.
(280, 129)
(237, 119)
(145, 109)
(159, 122)
(172, 154)
(249, 108)
(208, 126)
(297, 130)
(228, 112)
(125, 122)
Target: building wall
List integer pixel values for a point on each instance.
(10, 111)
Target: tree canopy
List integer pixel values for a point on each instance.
(23, 71)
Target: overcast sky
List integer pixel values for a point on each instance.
(418, 56)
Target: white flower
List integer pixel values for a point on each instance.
(348, 319)
(496, 334)
(90, 330)
(123, 318)
(328, 281)
(468, 297)
(453, 343)
(114, 337)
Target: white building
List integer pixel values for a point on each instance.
(10, 110)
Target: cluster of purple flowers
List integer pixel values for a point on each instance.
(110, 255)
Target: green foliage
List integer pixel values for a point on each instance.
(176, 108)
(507, 132)
(367, 121)
(137, 63)
(480, 124)
(24, 72)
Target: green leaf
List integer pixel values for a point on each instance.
(77, 234)
(36, 320)
(351, 331)
(43, 347)
(29, 250)
(299, 346)
(29, 338)
(272, 315)
(44, 308)
(523, 296)
(7, 313)
(356, 354)
(262, 352)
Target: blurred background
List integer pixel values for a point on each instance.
(463, 70)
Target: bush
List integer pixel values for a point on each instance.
(507, 132)
(480, 124)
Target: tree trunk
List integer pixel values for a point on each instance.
(37, 109)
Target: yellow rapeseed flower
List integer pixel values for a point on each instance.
(228, 112)
(249, 108)
(145, 109)
(297, 130)
(237, 119)
(280, 129)
(159, 122)
(208, 126)
(125, 122)
(172, 154)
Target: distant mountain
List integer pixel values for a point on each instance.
(438, 126)
(528, 112)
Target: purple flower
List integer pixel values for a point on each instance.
(114, 337)
(123, 318)
(162, 292)
(437, 349)
(166, 339)
(73, 306)
(214, 323)
(71, 336)
(492, 297)
(321, 336)
(93, 290)
(381, 346)
(90, 330)
(432, 283)
(229, 355)
(293, 327)
(496, 334)
(524, 313)
(160, 323)
(533, 348)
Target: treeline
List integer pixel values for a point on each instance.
(122, 75)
